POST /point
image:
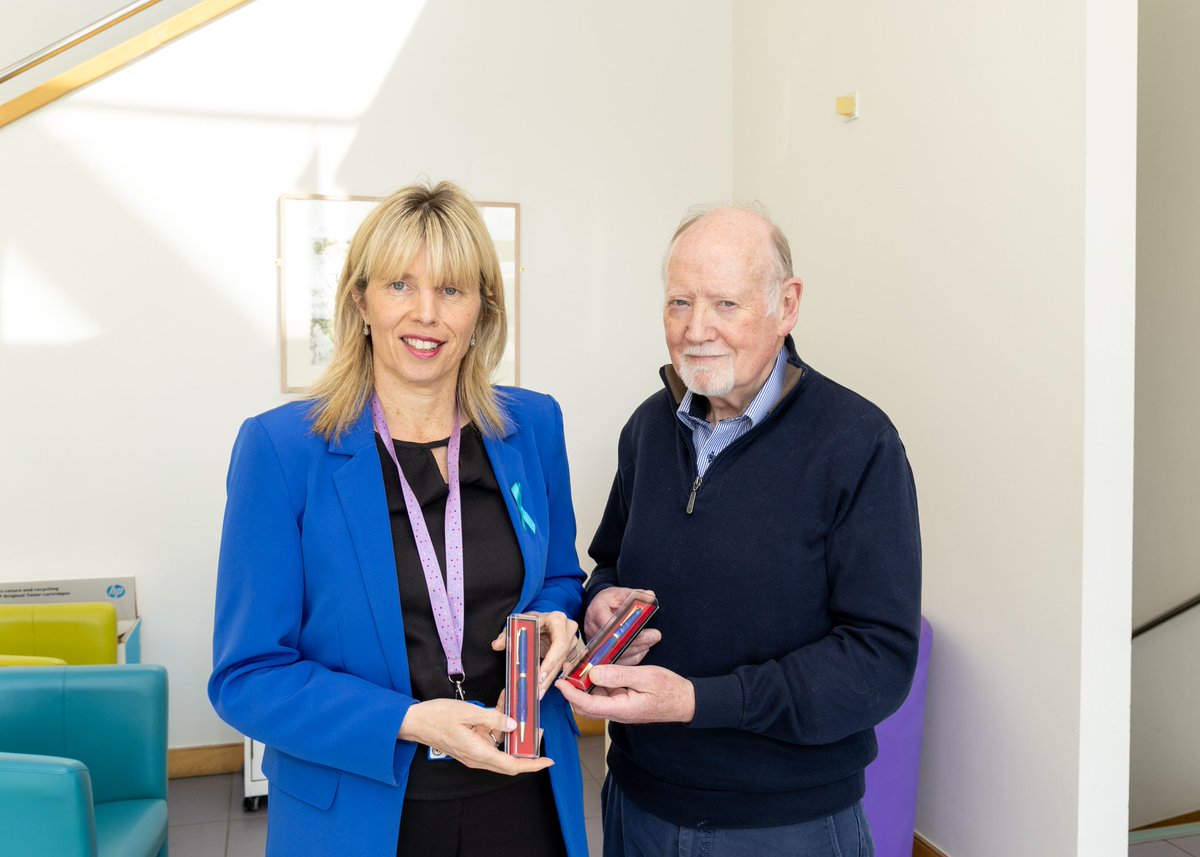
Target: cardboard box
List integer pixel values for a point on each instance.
(121, 592)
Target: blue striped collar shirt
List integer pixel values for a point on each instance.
(710, 440)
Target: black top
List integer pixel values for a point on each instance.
(493, 571)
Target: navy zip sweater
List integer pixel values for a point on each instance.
(790, 597)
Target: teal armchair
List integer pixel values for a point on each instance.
(83, 761)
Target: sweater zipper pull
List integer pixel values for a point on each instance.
(692, 499)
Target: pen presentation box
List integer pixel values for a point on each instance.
(121, 592)
(521, 703)
(610, 641)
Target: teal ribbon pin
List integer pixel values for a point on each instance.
(525, 517)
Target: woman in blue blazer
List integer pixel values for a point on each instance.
(375, 537)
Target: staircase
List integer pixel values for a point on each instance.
(53, 51)
(1165, 699)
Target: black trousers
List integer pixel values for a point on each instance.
(518, 820)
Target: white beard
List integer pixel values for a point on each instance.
(711, 379)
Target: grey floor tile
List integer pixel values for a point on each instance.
(259, 816)
(237, 791)
(595, 837)
(591, 754)
(237, 797)
(591, 798)
(197, 799)
(207, 818)
(198, 840)
(1146, 849)
(1190, 845)
(247, 838)
(191, 784)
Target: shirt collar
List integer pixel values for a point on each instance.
(693, 408)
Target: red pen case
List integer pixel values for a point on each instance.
(611, 640)
(521, 703)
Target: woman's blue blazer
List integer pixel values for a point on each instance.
(308, 650)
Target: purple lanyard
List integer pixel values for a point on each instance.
(446, 598)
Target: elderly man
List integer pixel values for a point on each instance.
(773, 513)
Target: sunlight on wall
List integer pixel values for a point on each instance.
(199, 213)
(33, 311)
(334, 65)
(241, 131)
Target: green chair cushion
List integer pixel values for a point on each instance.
(83, 633)
(30, 661)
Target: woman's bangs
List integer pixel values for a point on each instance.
(449, 256)
(390, 252)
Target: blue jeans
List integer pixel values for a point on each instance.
(632, 832)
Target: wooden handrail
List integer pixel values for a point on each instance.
(78, 37)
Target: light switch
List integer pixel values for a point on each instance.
(847, 106)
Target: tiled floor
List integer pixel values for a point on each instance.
(1189, 846)
(207, 819)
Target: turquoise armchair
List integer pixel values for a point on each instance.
(83, 761)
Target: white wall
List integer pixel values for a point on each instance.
(953, 241)
(1166, 538)
(1109, 303)
(137, 247)
(1164, 779)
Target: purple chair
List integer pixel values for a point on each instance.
(891, 799)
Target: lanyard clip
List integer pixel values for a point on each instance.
(457, 680)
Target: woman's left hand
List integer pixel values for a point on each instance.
(558, 635)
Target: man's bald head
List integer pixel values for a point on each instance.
(743, 230)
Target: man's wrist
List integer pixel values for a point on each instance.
(590, 593)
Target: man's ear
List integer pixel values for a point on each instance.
(789, 304)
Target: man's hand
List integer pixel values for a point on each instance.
(634, 695)
(601, 610)
(558, 639)
(466, 732)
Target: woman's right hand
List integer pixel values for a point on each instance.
(464, 732)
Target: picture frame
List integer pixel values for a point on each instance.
(314, 237)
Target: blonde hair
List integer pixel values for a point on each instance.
(443, 223)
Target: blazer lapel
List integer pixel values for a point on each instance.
(510, 472)
(359, 485)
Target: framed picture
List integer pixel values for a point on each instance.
(314, 237)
